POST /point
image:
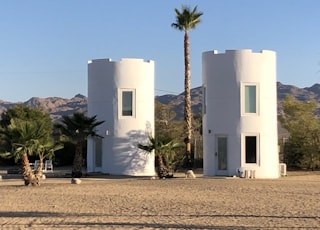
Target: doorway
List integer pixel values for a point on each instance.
(98, 153)
(221, 155)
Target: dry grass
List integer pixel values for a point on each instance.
(179, 203)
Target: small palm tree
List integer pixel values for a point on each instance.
(45, 150)
(186, 20)
(163, 148)
(77, 128)
(25, 138)
(26, 131)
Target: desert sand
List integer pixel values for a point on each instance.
(108, 202)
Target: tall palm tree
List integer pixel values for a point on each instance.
(77, 128)
(186, 20)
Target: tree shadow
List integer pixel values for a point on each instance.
(127, 158)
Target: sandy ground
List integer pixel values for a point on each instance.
(291, 202)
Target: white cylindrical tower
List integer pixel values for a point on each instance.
(121, 94)
(240, 113)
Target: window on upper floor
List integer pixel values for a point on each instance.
(249, 99)
(126, 103)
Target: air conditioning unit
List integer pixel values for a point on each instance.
(283, 169)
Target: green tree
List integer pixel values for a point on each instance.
(186, 20)
(166, 128)
(300, 120)
(164, 113)
(197, 140)
(77, 128)
(23, 130)
(25, 138)
(25, 113)
(165, 125)
(45, 149)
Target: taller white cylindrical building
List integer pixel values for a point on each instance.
(240, 113)
(121, 94)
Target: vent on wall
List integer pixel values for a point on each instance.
(283, 169)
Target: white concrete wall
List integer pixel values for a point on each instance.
(223, 77)
(121, 155)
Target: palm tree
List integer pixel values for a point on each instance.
(163, 148)
(45, 150)
(35, 117)
(26, 131)
(186, 20)
(77, 128)
(25, 137)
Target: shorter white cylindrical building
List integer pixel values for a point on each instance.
(240, 114)
(121, 94)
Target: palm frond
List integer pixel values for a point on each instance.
(78, 126)
(186, 19)
(6, 155)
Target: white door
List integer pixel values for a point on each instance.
(221, 155)
(98, 154)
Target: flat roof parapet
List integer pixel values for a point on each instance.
(238, 51)
(121, 60)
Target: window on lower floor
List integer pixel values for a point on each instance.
(204, 100)
(250, 149)
(98, 151)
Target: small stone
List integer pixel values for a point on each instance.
(190, 174)
(75, 181)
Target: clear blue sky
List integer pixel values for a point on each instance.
(45, 45)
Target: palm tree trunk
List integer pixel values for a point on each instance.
(78, 161)
(162, 170)
(38, 172)
(27, 173)
(187, 99)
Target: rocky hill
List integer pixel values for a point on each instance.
(178, 102)
(302, 94)
(57, 106)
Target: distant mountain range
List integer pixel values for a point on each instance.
(57, 106)
(302, 94)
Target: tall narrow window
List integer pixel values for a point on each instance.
(98, 152)
(222, 152)
(126, 103)
(204, 100)
(250, 94)
(251, 149)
